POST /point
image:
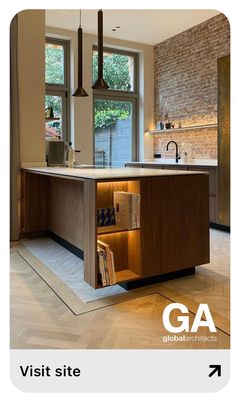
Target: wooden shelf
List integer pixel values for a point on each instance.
(126, 275)
(172, 130)
(112, 229)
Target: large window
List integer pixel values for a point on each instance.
(57, 88)
(115, 109)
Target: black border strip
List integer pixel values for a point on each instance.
(73, 249)
(158, 278)
(220, 227)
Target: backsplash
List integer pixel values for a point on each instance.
(198, 143)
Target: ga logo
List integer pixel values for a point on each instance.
(184, 319)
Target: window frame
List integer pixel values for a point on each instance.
(62, 90)
(123, 96)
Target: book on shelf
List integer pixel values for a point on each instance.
(127, 209)
(106, 264)
(105, 217)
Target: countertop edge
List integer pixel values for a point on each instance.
(110, 176)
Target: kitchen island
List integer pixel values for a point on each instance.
(173, 236)
(207, 165)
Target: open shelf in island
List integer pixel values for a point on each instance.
(112, 229)
(125, 246)
(173, 236)
(126, 275)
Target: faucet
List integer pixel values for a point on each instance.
(177, 157)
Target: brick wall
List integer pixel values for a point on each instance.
(199, 144)
(185, 83)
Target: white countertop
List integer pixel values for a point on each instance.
(107, 173)
(191, 162)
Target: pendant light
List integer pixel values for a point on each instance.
(80, 90)
(100, 83)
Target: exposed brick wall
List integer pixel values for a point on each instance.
(185, 80)
(199, 144)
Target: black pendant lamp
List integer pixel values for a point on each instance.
(100, 83)
(80, 90)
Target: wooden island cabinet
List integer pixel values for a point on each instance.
(213, 181)
(173, 236)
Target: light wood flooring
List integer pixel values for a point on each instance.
(39, 319)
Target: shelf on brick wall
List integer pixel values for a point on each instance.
(172, 130)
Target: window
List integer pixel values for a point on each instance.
(57, 88)
(115, 109)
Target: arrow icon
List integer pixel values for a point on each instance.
(217, 369)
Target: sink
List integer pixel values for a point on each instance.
(88, 167)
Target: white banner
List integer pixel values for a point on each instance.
(120, 370)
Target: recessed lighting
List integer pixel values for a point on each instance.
(113, 29)
(117, 27)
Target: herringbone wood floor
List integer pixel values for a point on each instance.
(39, 319)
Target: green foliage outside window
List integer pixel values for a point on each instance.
(54, 64)
(108, 118)
(116, 72)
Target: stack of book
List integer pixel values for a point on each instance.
(106, 264)
(127, 209)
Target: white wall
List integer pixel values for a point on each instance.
(31, 72)
(82, 108)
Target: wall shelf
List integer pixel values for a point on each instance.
(173, 130)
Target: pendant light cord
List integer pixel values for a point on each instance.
(80, 18)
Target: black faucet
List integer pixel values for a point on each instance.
(177, 157)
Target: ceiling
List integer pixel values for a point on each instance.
(143, 26)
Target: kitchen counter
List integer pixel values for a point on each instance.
(200, 165)
(191, 162)
(173, 235)
(106, 173)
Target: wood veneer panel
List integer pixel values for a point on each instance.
(134, 186)
(150, 222)
(106, 189)
(213, 189)
(90, 233)
(118, 243)
(212, 177)
(174, 167)
(224, 140)
(105, 192)
(34, 217)
(195, 221)
(66, 210)
(134, 252)
(174, 223)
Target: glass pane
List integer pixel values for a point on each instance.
(54, 63)
(113, 132)
(118, 70)
(53, 116)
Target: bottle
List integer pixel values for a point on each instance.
(185, 157)
(70, 155)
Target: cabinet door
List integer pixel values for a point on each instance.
(212, 177)
(134, 165)
(174, 167)
(223, 211)
(152, 166)
(213, 209)
(212, 189)
(174, 223)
